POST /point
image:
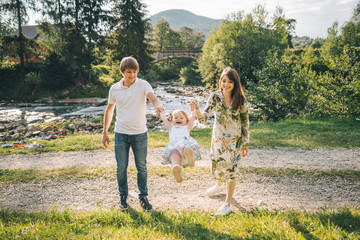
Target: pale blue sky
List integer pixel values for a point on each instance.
(313, 17)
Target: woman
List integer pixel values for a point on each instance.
(230, 135)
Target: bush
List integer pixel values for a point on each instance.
(9, 79)
(57, 74)
(101, 75)
(33, 79)
(190, 75)
(283, 89)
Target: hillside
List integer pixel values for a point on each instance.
(178, 18)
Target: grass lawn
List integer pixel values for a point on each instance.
(296, 133)
(113, 224)
(170, 224)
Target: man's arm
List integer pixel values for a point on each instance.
(155, 102)
(107, 121)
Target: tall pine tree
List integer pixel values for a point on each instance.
(132, 28)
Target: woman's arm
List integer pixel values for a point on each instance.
(209, 107)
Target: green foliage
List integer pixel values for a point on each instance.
(338, 91)
(167, 70)
(164, 37)
(101, 74)
(33, 79)
(190, 74)
(191, 39)
(56, 74)
(242, 42)
(130, 35)
(283, 89)
(9, 76)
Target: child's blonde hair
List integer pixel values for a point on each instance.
(130, 63)
(182, 111)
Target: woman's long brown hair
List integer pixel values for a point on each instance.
(237, 94)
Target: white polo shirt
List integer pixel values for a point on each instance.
(130, 106)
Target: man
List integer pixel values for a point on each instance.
(128, 96)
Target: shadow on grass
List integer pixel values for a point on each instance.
(177, 226)
(184, 225)
(343, 219)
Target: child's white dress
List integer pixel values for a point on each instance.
(179, 139)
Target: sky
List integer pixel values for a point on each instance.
(313, 17)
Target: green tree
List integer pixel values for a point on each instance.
(57, 74)
(283, 89)
(191, 38)
(242, 42)
(18, 10)
(33, 79)
(190, 74)
(160, 34)
(91, 17)
(338, 89)
(58, 13)
(131, 30)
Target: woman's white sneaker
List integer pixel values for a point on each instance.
(224, 210)
(215, 189)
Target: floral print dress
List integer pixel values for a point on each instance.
(230, 133)
(179, 139)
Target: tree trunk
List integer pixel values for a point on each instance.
(21, 40)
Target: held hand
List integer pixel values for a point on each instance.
(105, 140)
(160, 111)
(194, 106)
(245, 150)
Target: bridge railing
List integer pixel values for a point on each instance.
(176, 50)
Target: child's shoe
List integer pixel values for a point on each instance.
(176, 170)
(189, 155)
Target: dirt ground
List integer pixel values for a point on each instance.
(252, 191)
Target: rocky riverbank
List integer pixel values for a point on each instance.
(35, 124)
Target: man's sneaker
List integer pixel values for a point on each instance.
(224, 210)
(144, 202)
(215, 189)
(123, 204)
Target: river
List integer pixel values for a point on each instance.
(34, 112)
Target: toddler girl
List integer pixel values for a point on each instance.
(182, 149)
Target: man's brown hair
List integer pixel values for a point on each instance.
(128, 63)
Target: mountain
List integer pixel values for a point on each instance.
(178, 18)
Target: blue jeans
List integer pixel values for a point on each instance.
(138, 144)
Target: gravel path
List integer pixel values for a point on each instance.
(273, 193)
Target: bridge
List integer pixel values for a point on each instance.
(170, 53)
